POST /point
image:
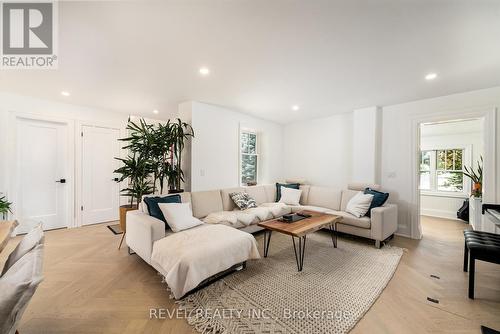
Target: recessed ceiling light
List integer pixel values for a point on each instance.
(155, 111)
(431, 76)
(295, 107)
(204, 71)
(64, 93)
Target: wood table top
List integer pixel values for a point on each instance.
(302, 227)
(6, 228)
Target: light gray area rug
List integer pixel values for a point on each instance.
(332, 293)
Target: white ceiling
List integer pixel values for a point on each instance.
(264, 56)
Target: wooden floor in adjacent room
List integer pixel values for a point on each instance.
(91, 287)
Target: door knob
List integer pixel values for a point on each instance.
(61, 181)
(116, 179)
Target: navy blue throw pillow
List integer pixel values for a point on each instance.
(287, 185)
(154, 209)
(379, 198)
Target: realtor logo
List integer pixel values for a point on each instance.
(28, 35)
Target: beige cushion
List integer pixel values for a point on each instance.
(290, 196)
(17, 287)
(258, 193)
(346, 197)
(270, 192)
(359, 204)
(205, 202)
(362, 186)
(325, 197)
(227, 201)
(348, 219)
(28, 242)
(179, 216)
(310, 208)
(305, 193)
(354, 230)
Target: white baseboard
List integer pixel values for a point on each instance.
(439, 213)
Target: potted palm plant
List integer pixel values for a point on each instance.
(180, 131)
(5, 208)
(476, 177)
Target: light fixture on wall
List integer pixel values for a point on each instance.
(155, 111)
(431, 76)
(65, 93)
(204, 71)
(295, 107)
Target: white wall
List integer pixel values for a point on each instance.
(215, 147)
(319, 150)
(466, 134)
(12, 104)
(399, 138)
(366, 140)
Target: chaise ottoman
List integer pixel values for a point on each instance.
(190, 257)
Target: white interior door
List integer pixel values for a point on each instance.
(100, 191)
(42, 187)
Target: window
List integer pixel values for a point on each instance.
(449, 170)
(441, 170)
(249, 157)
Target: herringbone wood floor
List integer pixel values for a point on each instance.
(91, 287)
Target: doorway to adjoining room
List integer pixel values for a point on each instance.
(449, 152)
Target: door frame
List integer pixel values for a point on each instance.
(488, 114)
(79, 162)
(14, 117)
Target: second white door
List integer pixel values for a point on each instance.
(100, 191)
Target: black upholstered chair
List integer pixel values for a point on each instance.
(482, 246)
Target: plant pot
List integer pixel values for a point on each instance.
(123, 215)
(477, 189)
(175, 191)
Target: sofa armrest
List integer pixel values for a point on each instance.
(142, 231)
(384, 221)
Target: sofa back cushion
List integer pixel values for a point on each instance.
(227, 201)
(205, 202)
(347, 194)
(270, 190)
(305, 193)
(325, 197)
(258, 193)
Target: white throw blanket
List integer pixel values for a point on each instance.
(188, 257)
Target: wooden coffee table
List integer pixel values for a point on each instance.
(300, 230)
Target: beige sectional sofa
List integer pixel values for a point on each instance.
(215, 206)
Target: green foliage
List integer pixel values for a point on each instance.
(179, 132)
(5, 206)
(476, 176)
(155, 155)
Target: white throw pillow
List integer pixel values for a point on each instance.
(29, 241)
(290, 196)
(179, 216)
(359, 204)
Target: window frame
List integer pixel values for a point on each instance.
(466, 161)
(256, 154)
